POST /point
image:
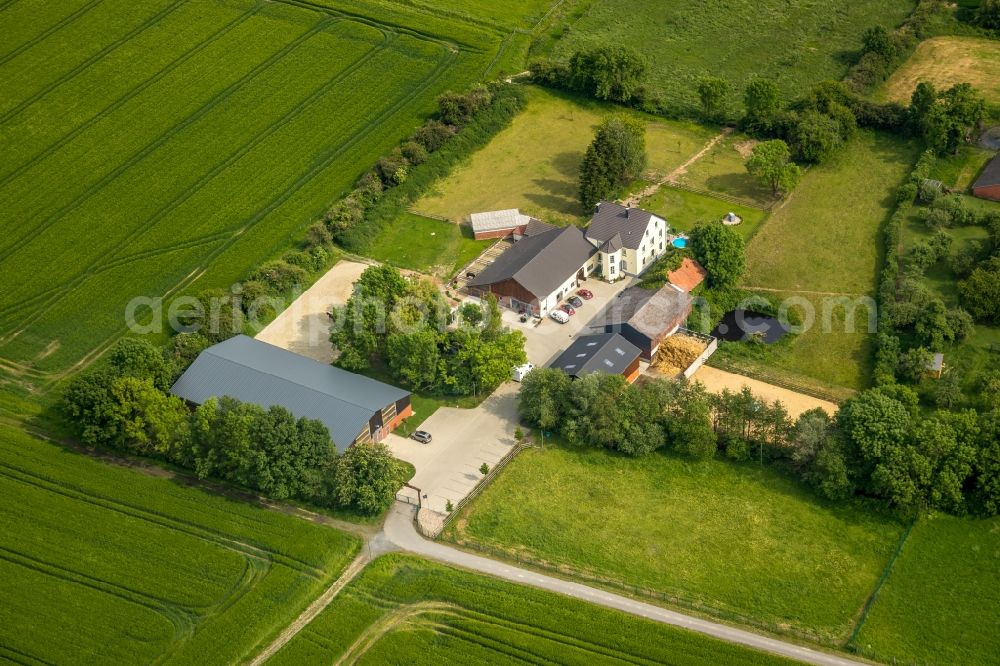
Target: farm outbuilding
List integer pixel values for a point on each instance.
(987, 186)
(498, 223)
(355, 409)
(646, 318)
(539, 270)
(606, 353)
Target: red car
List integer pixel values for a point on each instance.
(585, 294)
(568, 309)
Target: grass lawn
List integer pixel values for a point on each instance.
(825, 237)
(683, 209)
(795, 43)
(723, 169)
(739, 541)
(427, 245)
(945, 61)
(823, 243)
(534, 164)
(120, 567)
(940, 603)
(961, 170)
(403, 609)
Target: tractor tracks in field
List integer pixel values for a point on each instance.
(130, 95)
(52, 85)
(45, 34)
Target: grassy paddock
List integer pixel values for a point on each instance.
(723, 169)
(823, 244)
(407, 610)
(684, 209)
(427, 245)
(939, 604)
(945, 61)
(534, 164)
(126, 568)
(797, 44)
(740, 541)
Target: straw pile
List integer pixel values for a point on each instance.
(677, 353)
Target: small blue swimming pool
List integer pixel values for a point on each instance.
(680, 242)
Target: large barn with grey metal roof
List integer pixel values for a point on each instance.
(354, 408)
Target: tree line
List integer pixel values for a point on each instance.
(877, 445)
(406, 326)
(125, 405)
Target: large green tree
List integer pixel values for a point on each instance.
(713, 93)
(980, 292)
(762, 100)
(720, 250)
(770, 163)
(367, 478)
(616, 156)
(612, 72)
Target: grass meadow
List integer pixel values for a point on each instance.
(737, 541)
(821, 243)
(723, 170)
(945, 61)
(403, 609)
(534, 164)
(684, 209)
(939, 603)
(796, 44)
(427, 245)
(126, 568)
(157, 147)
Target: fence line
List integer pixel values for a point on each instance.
(728, 198)
(474, 493)
(756, 373)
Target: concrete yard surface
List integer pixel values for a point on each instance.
(463, 439)
(304, 327)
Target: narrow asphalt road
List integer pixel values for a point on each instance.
(399, 533)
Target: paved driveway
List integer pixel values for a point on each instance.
(464, 439)
(549, 338)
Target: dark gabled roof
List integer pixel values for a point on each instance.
(613, 244)
(539, 263)
(256, 372)
(608, 353)
(990, 175)
(536, 226)
(651, 313)
(610, 220)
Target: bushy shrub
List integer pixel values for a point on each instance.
(279, 276)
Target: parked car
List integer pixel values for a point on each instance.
(575, 301)
(559, 316)
(567, 308)
(585, 294)
(470, 275)
(518, 373)
(421, 436)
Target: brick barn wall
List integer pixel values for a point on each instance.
(991, 192)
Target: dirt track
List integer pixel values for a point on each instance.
(716, 380)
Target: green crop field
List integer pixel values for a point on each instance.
(740, 541)
(407, 610)
(100, 564)
(161, 146)
(939, 604)
(796, 44)
(534, 164)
